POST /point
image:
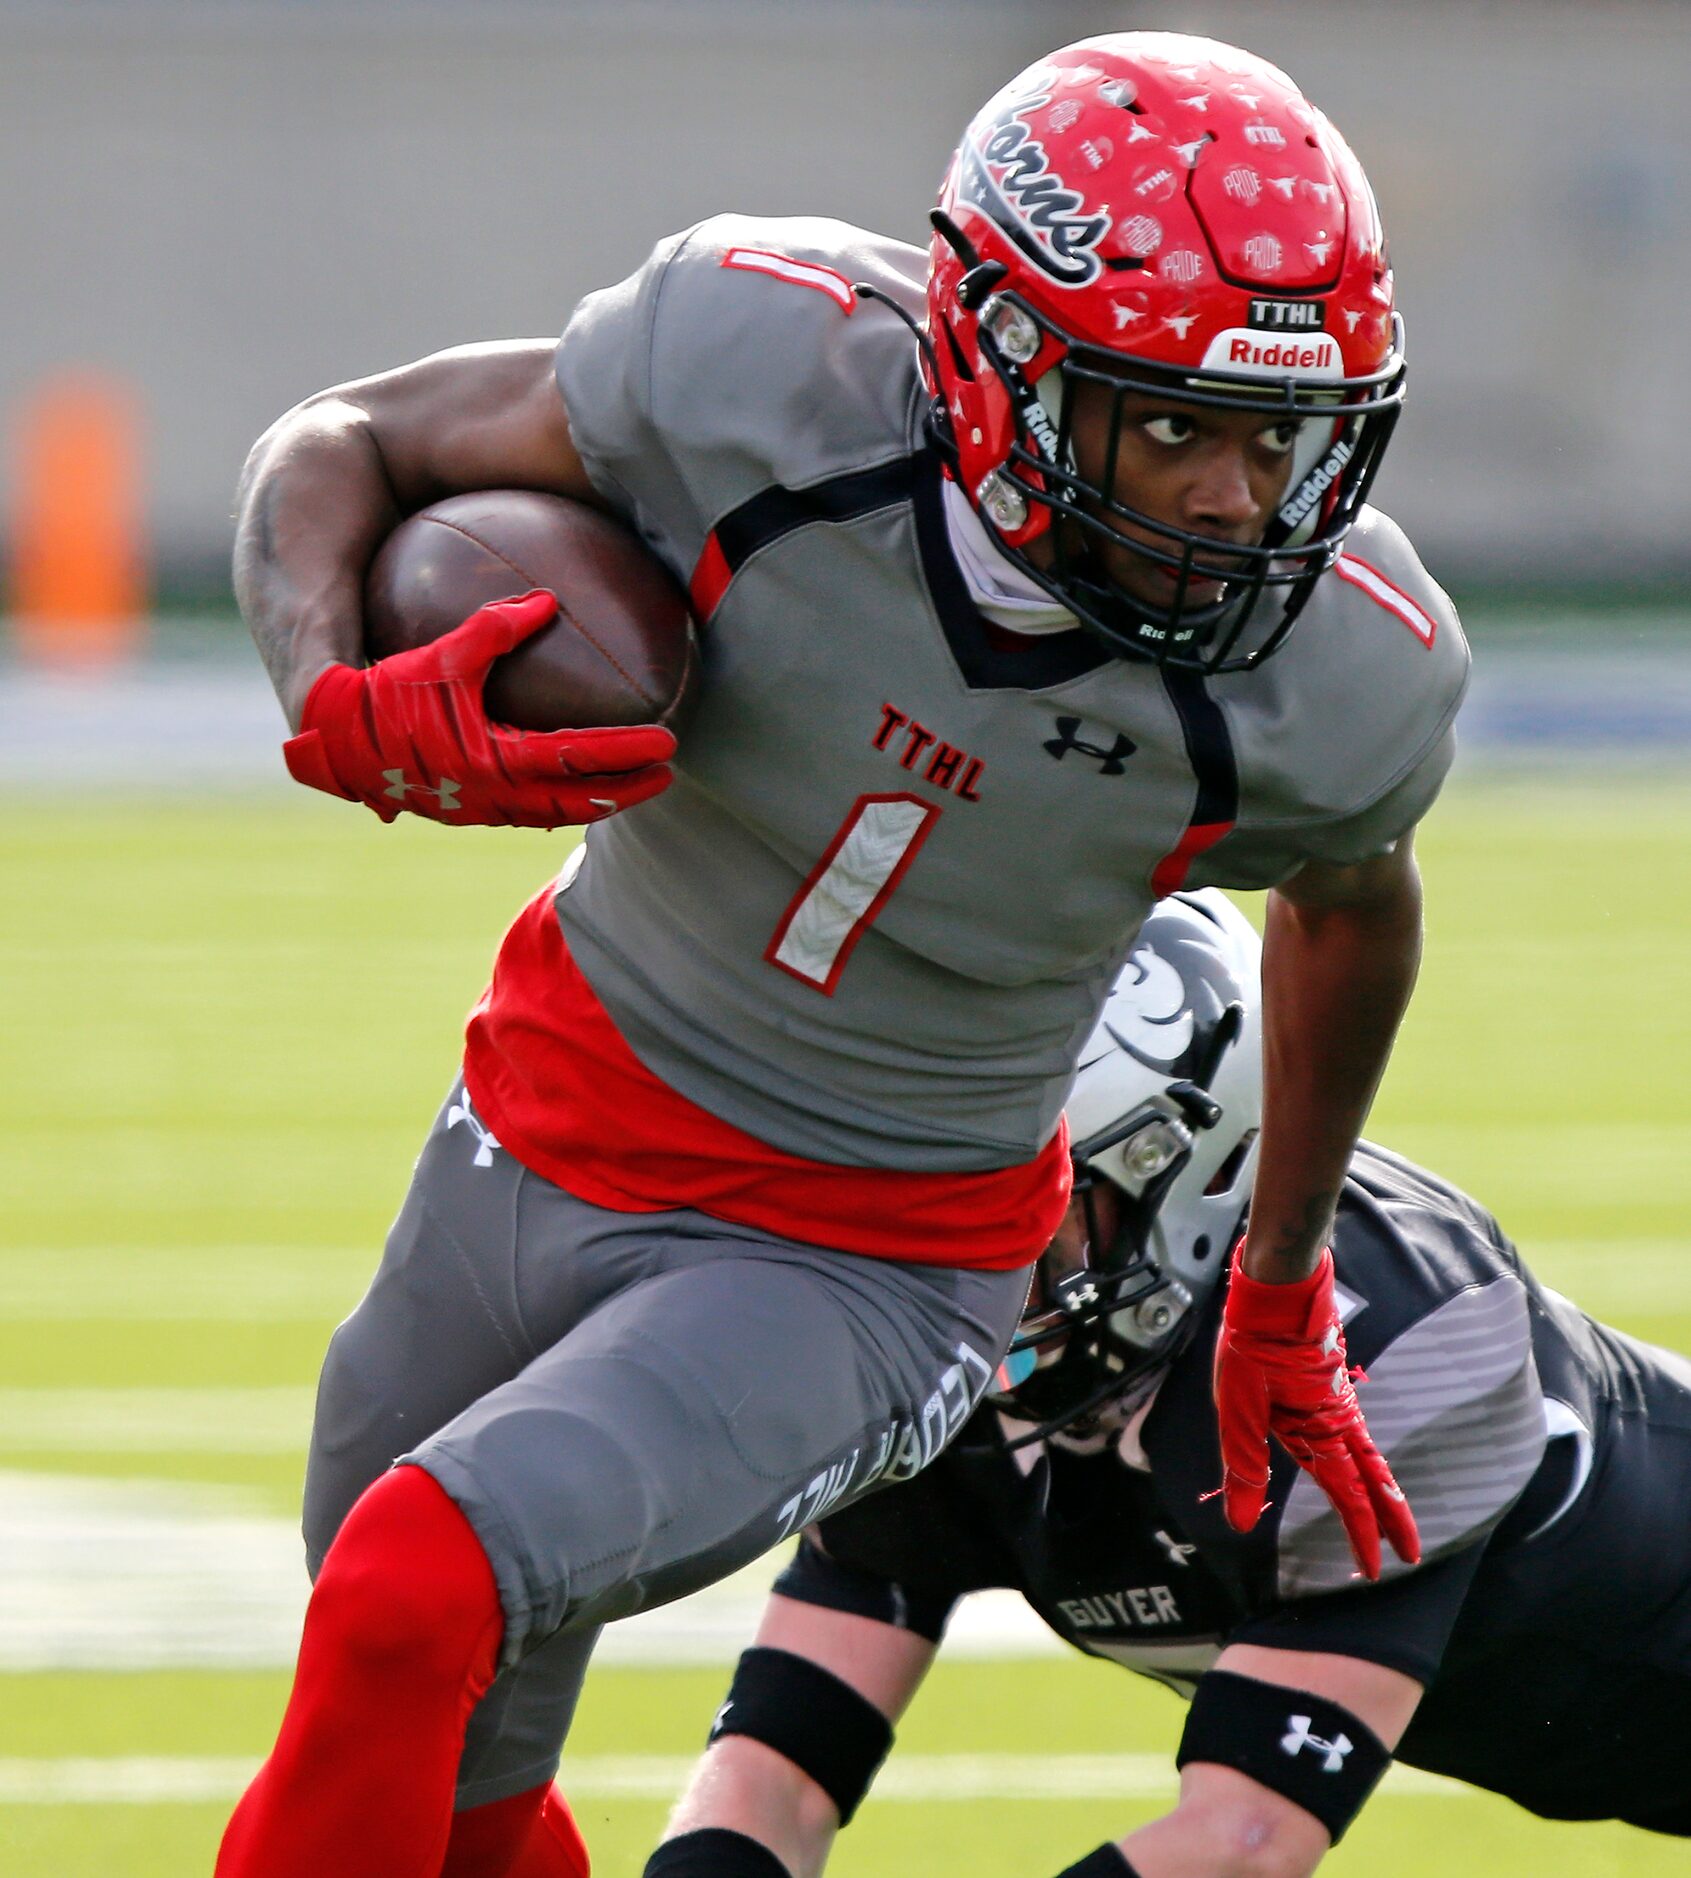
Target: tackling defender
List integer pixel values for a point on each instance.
(1540, 1448)
(759, 1127)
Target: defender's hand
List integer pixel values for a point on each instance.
(1281, 1368)
(410, 732)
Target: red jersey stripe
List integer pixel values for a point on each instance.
(710, 580)
(1169, 875)
(559, 1086)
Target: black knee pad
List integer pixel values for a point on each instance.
(1313, 1752)
(819, 1723)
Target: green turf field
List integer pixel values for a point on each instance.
(227, 1027)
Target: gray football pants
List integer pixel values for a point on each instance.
(625, 1406)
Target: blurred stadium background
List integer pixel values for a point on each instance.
(229, 1009)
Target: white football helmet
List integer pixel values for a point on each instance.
(1165, 1108)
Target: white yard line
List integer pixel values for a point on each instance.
(143, 1574)
(159, 1421)
(155, 1780)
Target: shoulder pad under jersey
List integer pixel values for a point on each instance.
(1344, 734)
(738, 357)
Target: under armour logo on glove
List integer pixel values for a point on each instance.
(1298, 1738)
(486, 1141)
(376, 734)
(1110, 762)
(446, 792)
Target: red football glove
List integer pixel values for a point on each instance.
(411, 732)
(1280, 1367)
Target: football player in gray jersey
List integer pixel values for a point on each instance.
(1044, 557)
(1541, 1447)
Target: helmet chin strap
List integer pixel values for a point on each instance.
(1124, 622)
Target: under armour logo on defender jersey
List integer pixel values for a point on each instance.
(486, 1141)
(1298, 1737)
(1110, 762)
(446, 791)
(1177, 1549)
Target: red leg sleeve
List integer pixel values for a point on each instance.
(401, 1639)
(530, 1835)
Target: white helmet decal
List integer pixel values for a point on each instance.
(1154, 1020)
(1165, 1110)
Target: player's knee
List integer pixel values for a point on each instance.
(1236, 1832)
(594, 1510)
(406, 1580)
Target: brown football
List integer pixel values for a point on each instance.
(621, 650)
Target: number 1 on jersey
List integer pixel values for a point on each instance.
(847, 888)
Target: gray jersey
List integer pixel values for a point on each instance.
(874, 919)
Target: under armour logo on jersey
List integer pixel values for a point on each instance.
(445, 792)
(1111, 762)
(1177, 1549)
(1298, 1738)
(486, 1141)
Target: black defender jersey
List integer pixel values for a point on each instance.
(1546, 1456)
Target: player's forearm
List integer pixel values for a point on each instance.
(1336, 982)
(314, 503)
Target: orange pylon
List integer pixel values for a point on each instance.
(78, 588)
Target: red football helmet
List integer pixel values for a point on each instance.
(1160, 215)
